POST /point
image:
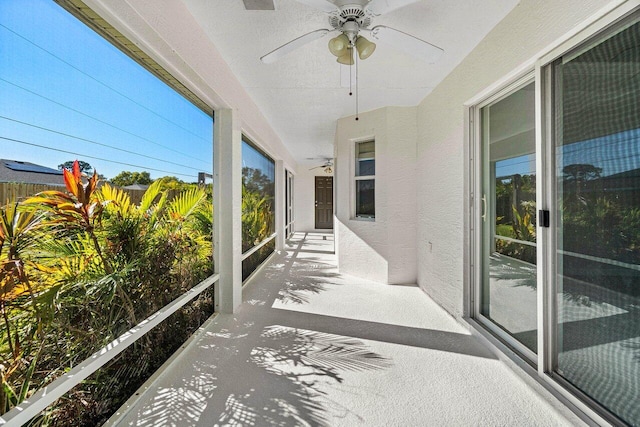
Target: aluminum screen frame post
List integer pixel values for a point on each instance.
(281, 203)
(227, 218)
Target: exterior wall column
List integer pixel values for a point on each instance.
(280, 205)
(227, 202)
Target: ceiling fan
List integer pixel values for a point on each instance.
(352, 18)
(326, 166)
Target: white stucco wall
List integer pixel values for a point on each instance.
(531, 27)
(383, 250)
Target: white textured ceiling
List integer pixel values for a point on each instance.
(301, 94)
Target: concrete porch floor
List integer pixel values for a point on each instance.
(311, 347)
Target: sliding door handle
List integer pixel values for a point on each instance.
(484, 207)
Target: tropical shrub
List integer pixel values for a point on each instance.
(79, 268)
(20, 291)
(257, 218)
(257, 225)
(522, 228)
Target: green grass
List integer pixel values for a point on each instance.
(505, 230)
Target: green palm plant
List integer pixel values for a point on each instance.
(185, 204)
(78, 208)
(182, 219)
(257, 218)
(523, 226)
(18, 235)
(153, 202)
(92, 253)
(201, 224)
(153, 238)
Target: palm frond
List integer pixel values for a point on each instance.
(186, 203)
(151, 195)
(118, 199)
(155, 211)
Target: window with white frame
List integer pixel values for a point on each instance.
(365, 179)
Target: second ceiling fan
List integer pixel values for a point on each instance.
(350, 19)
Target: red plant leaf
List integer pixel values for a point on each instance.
(76, 170)
(93, 184)
(70, 182)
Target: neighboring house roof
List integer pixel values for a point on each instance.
(136, 187)
(19, 171)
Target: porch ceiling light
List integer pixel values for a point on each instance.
(338, 45)
(347, 58)
(365, 47)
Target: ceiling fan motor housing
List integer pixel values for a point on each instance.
(350, 19)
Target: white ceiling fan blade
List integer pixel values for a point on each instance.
(286, 48)
(322, 5)
(407, 43)
(380, 7)
(259, 5)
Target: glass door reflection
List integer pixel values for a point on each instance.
(597, 172)
(508, 287)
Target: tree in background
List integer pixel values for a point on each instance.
(577, 179)
(581, 172)
(125, 178)
(85, 167)
(173, 183)
(256, 181)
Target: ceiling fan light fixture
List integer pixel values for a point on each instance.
(365, 47)
(347, 58)
(338, 45)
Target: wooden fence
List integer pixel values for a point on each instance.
(20, 191)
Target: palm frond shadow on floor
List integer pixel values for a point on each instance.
(295, 365)
(311, 276)
(269, 365)
(278, 372)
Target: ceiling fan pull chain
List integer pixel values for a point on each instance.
(350, 73)
(357, 87)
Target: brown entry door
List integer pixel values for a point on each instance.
(324, 202)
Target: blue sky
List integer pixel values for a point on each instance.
(615, 153)
(64, 87)
(254, 159)
(523, 165)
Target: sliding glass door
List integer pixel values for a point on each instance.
(597, 172)
(567, 271)
(508, 298)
